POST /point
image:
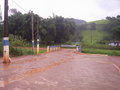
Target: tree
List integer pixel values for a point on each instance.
(116, 33)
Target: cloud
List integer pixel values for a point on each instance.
(109, 5)
(88, 10)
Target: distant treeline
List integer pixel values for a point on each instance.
(57, 29)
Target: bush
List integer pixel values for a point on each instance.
(18, 41)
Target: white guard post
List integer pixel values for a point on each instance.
(48, 48)
(6, 58)
(38, 46)
(33, 45)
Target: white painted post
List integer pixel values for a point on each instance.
(48, 48)
(33, 45)
(76, 48)
(38, 46)
(6, 58)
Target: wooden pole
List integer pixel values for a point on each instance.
(6, 58)
(32, 26)
(38, 38)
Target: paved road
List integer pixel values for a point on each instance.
(61, 70)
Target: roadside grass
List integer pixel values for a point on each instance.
(18, 41)
(23, 51)
(101, 51)
(92, 36)
(43, 51)
(69, 47)
(20, 51)
(100, 46)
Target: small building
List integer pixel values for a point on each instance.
(115, 43)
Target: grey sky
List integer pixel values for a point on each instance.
(88, 10)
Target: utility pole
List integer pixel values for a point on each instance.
(91, 36)
(6, 58)
(38, 38)
(32, 24)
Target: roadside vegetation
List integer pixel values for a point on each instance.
(15, 42)
(94, 36)
(101, 49)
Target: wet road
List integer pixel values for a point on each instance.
(61, 70)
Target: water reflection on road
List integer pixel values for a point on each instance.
(70, 67)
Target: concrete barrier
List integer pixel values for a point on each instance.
(53, 48)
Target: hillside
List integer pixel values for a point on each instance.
(97, 35)
(77, 21)
(100, 21)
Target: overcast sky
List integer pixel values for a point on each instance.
(89, 10)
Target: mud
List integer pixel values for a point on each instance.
(61, 70)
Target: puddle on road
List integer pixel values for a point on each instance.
(28, 60)
(8, 66)
(12, 79)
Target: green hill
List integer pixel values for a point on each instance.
(97, 35)
(100, 21)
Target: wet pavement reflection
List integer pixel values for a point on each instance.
(64, 69)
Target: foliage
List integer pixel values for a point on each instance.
(18, 41)
(116, 33)
(102, 51)
(52, 30)
(58, 30)
(23, 51)
(113, 27)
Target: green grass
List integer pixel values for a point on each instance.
(92, 36)
(101, 51)
(23, 51)
(43, 51)
(69, 47)
(18, 41)
(100, 46)
(20, 51)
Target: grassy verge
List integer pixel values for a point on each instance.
(23, 51)
(100, 46)
(102, 51)
(69, 47)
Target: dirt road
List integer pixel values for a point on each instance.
(61, 70)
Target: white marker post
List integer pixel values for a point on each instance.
(38, 46)
(48, 49)
(33, 45)
(6, 57)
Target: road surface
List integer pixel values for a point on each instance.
(61, 70)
